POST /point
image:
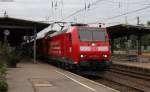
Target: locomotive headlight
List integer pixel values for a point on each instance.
(81, 56)
(105, 56)
(93, 44)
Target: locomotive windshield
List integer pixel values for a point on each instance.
(93, 34)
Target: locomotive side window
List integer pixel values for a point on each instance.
(94, 34)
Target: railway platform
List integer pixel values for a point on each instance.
(41, 77)
(133, 64)
(137, 61)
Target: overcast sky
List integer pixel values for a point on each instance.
(43, 10)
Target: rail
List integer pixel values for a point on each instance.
(134, 77)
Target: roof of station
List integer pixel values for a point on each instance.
(14, 23)
(19, 28)
(124, 30)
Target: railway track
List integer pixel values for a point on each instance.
(132, 77)
(117, 86)
(132, 71)
(123, 78)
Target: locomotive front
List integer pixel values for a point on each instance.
(94, 47)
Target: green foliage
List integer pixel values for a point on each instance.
(148, 23)
(2, 70)
(3, 49)
(2, 63)
(12, 58)
(3, 86)
(0, 46)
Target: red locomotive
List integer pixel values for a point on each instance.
(79, 46)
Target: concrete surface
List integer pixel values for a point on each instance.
(42, 77)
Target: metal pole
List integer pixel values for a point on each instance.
(139, 45)
(34, 47)
(138, 20)
(6, 33)
(112, 45)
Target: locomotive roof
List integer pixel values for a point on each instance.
(57, 33)
(66, 30)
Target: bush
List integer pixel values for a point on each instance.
(13, 58)
(2, 63)
(3, 86)
(2, 70)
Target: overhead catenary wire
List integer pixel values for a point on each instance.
(96, 2)
(120, 15)
(135, 3)
(87, 5)
(82, 9)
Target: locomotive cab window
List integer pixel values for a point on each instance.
(93, 34)
(99, 36)
(85, 36)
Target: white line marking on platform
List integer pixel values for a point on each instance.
(77, 81)
(97, 83)
(86, 79)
